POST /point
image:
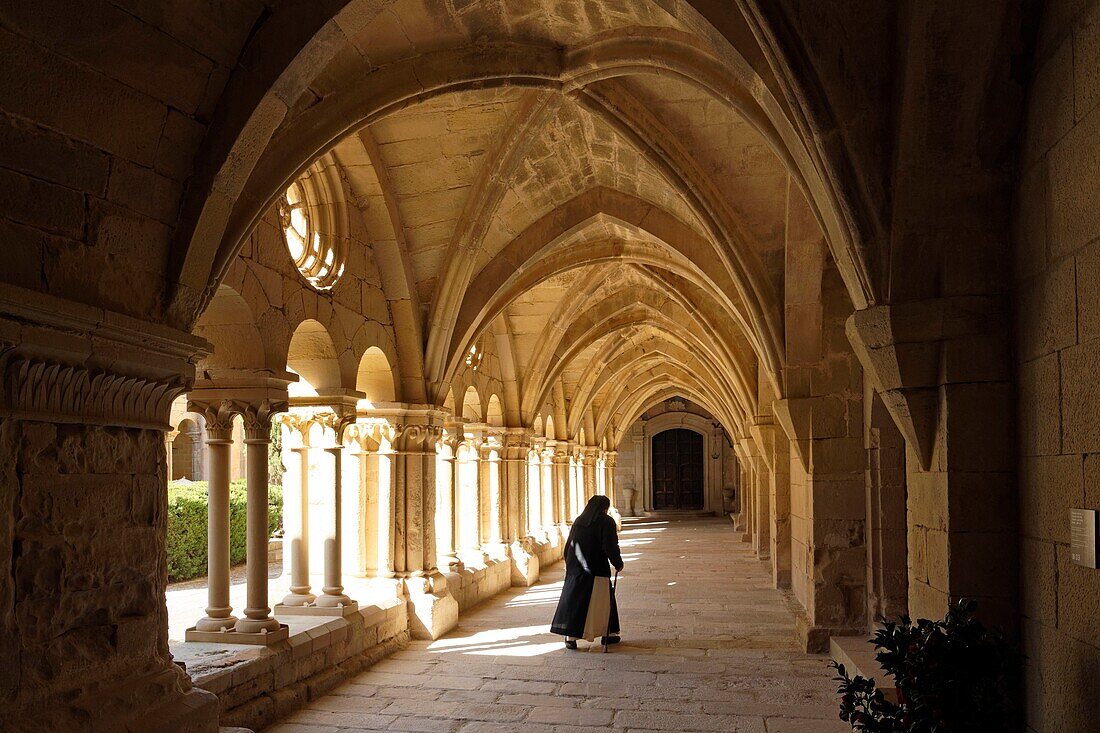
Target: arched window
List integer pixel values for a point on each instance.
(310, 214)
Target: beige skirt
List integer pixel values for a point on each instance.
(599, 609)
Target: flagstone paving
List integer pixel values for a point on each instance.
(708, 646)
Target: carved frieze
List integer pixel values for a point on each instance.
(39, 389)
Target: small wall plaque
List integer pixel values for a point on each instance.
(1082, 537)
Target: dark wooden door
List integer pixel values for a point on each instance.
(678, 470)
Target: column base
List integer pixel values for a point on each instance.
(262, 638)
(350, 609)
(297, 599)
(495, 551)
(525, 565)
(433, 611)
(210, 625)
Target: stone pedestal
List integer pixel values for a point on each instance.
(525, 564)
(432, 610)
(85, 397)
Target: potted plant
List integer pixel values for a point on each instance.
(951, 676)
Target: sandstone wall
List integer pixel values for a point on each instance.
(1057, 285)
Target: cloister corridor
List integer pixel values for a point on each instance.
(708, 645)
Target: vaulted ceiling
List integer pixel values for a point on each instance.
(622, 226)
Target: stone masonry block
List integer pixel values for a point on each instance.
(1074, 195)
(1081, 398)
(1049, 486)
(1039, 408)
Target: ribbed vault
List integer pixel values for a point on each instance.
(596, 208)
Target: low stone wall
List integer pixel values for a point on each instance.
(550, 552)
(259, 685)
(476, 583)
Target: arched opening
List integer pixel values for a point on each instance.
(187, 451)
(493, 414)
(678, 470)
(312, 356)
(471, 405)
(229, 325)
(375, 377)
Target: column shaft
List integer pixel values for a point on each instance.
(257, 442)
(219, 616)
(296, 521)
(332, 594)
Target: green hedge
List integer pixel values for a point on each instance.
(187, 525)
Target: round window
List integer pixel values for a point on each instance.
(312, 255)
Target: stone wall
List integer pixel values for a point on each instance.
(1057, 286)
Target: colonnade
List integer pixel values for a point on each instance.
(400, 494)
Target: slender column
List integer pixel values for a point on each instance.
(560, 476)
(332, 593)
(169, 441)
(373, 437)
(469, 497)
(601, 478)
(573, 485)
(517, 446)
(491, 490)
(296, 509)
(591, 454)
(534, 491)
(612, 461)
(257, 439)
(446, 530)
(546, 485)
(219, 426)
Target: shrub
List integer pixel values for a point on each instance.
(187, 515)
(950, 675)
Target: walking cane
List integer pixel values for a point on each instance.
(610, 608)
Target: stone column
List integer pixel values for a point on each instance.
(560, 483)
(446, 505)
(78, 644)
(296, 511)
(591, 455)
(169, 441)
(576, 482)
(468, 499)
(775, 455)
(535, 521)
(432, 610)
(610, 462)
(372, 440)
(491, 495)
(257, 439)
(332, 593)
(546, 490)
(219, 426)
(525, 564)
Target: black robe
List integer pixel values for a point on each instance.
(590, 552)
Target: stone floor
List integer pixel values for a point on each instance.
(708, 646)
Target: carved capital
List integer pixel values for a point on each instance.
(371, 435)
(218, 415)
(257, 418)
(417, 437)
(62, 361)
(517, 444)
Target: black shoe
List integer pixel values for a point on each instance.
(609, 640)
(570, 644)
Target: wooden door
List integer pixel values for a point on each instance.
(678, 470)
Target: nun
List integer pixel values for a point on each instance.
(587, 605)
